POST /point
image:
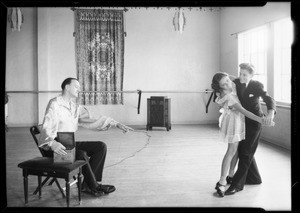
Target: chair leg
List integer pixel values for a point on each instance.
(43, 183)
(68, 191)
(40, 186)
(51, 182)
(60, 189)
(79, 186)
(25, 181)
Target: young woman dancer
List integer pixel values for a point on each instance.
(231, 123)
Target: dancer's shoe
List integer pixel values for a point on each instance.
(219, 189)
(232, 190)
(229, 179)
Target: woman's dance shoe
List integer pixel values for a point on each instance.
(219, 191)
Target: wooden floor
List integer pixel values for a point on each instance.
(158, 168)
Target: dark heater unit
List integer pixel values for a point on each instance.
(158, 112)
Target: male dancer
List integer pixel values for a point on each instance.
(249, 91)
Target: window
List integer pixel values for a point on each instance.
(253, 49)
(268, 48)
(283, 38)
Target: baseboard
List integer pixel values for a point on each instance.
(176, 123)
(269, 141)
(197, 122)
(135, 124)
(21, 125)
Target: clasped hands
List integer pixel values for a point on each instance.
(268, 121)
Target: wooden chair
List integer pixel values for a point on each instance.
(44, 166)
(35, 131)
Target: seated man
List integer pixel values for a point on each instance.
(62, 115)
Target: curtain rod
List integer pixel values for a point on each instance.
(250, 28)
(130, 91)
(92, 8)
(161, 7)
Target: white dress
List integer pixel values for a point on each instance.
(231, 122)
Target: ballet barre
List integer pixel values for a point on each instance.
(139, 92)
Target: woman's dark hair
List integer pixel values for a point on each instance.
(67, 81)
(215, 84)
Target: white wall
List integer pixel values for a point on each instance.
(56, 52)
(156, 58)
(280, 134)
(42, 54)
(21, 70)
(237, 19)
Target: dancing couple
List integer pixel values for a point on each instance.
(240, 126)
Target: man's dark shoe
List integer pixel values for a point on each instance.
(232, 190)
(105, 188)
(229, 179)
(93, 192)
(96, 193)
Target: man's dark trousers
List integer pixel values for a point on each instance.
(247, 171)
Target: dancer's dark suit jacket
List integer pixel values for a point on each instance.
(247, 171)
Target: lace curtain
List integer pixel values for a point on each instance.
(100, 55)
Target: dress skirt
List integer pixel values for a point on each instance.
(232, 126)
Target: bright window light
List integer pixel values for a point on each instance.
(252, 48)
(283, 39)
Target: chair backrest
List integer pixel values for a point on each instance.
(35, 131)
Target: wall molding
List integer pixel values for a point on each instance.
(275, 142)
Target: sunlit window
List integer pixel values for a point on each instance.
(252, 48)
(283, 39)
(268, 48)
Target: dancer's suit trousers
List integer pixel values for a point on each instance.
(247, 169)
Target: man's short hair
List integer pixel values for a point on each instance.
(247, 66)
(67, 81)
